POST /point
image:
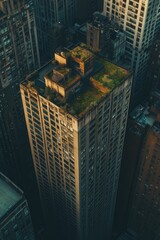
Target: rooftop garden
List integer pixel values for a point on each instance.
(106, 76)
(111, 75)
(81, 53)
(87, 97)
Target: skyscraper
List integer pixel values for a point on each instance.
(76, 111)
(19, 56)
(47, 14)
(141, 21)
(15, 220)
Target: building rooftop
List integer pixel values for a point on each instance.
(99, 20)
(81, 53)
(142, 116)
(111, 75)
(104, 77)
(9, 195)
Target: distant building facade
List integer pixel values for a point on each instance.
(141, 22)
(76, 128)
(138, 205)
(104, 37)
(47, 15)
(19, 55)
(15, 220)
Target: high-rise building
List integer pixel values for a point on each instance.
(47, 14)
(19, 56)
(141, 22)
(76, 111)
(15, 220)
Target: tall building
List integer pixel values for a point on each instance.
(141, 22)
(76, 111)
(47, 15)
(15, 220)
(19, 56)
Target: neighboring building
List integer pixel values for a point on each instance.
(141, 22)
(98, 33)
(104, 36)
(144, 207)
(19, 56)
(138, 122)
(77, 34)
(138, 201)
(15, 220)
(47, 15)
(76, 111)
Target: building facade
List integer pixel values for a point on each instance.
(104, 36)
(19, 56)
(47, 15)
(15, 220)
(141, 22)
(76, 128)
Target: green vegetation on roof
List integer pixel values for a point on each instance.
(111, 75)
(88, 97)
(81, 53)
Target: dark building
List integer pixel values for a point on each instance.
(138, 201)
(15, 220)
(19, 56)
(47, 15)
(144, 207)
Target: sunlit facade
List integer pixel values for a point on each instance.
(76, 129)
(141, 21)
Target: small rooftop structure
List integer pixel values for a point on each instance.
(10, 195)
(81, 54)
(142, 116)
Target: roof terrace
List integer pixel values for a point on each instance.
(104, 77)
(81, 53)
